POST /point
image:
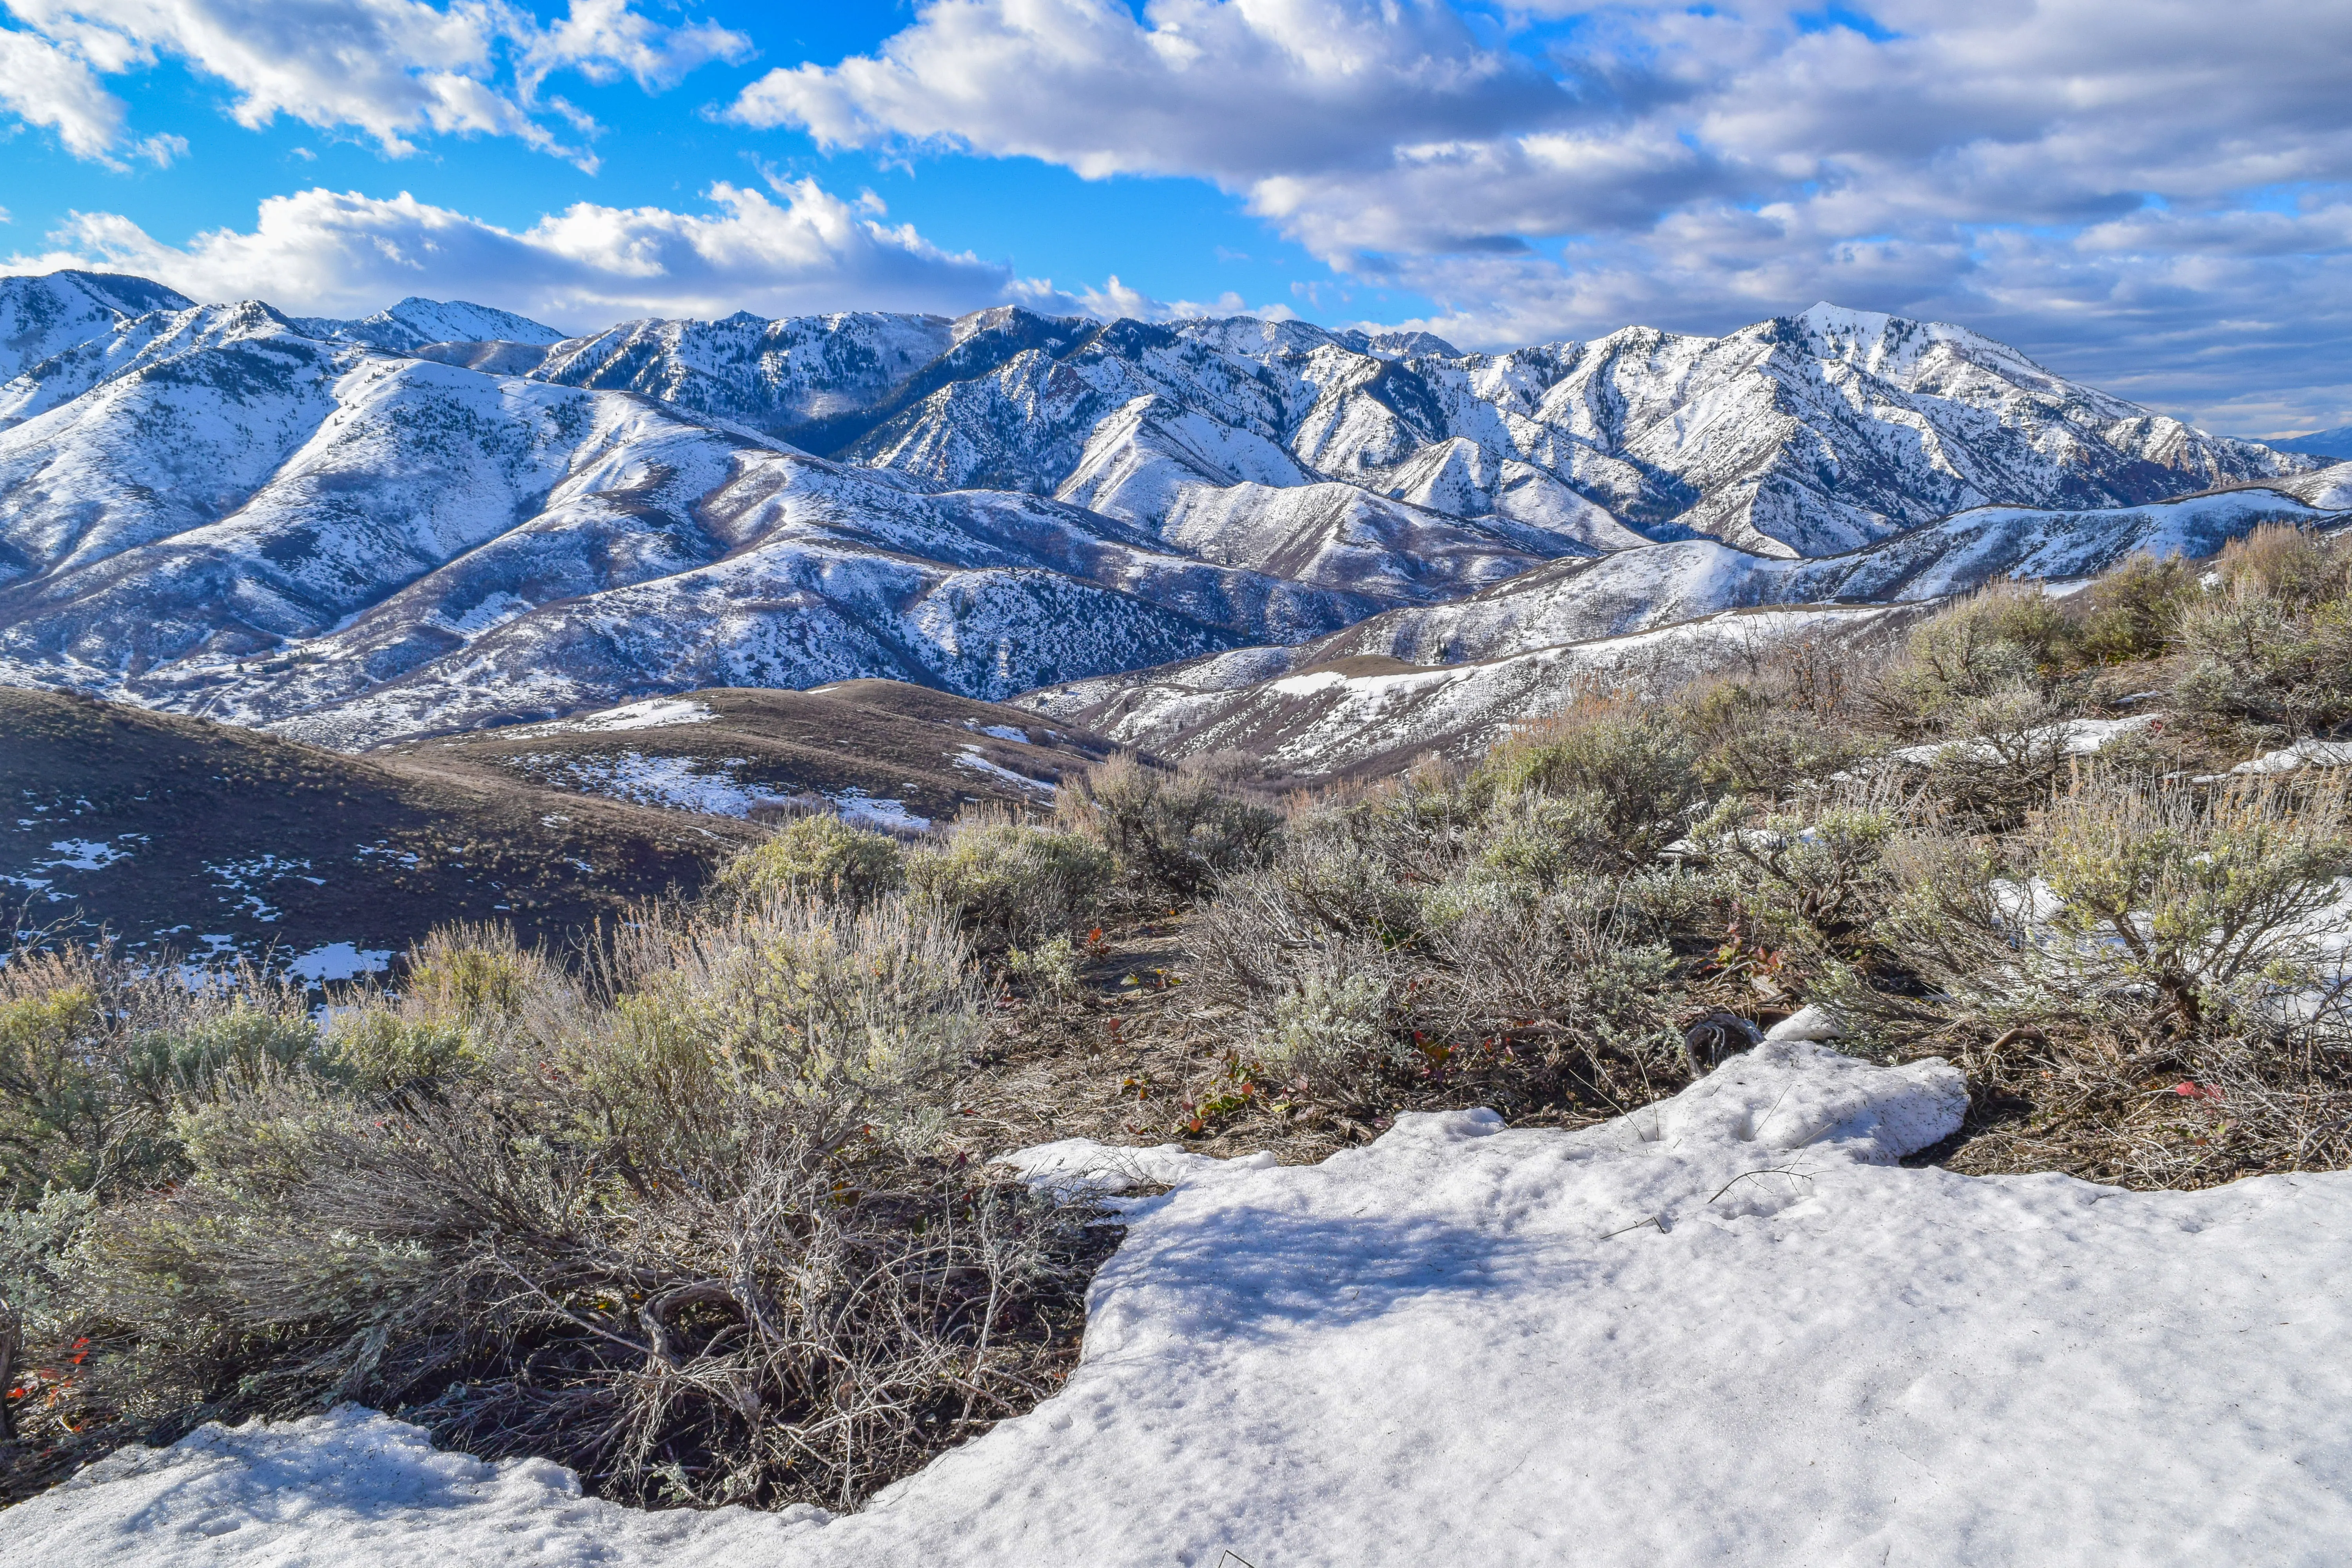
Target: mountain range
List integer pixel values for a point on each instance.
(448, 517)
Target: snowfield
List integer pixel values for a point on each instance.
(1727, 1328)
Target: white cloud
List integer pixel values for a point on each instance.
(1233, 89)
(391, 69)
(1115, 298)
(2084, 175)
(52, 86)
(321, 252)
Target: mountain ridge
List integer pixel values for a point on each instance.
(342, 529)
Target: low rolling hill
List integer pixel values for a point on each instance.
(881, 752)
(180, 835)
(188, 838)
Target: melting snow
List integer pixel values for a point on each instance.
(970, 757)
(84, 855)
(1727, 1328)
(495, 611)
(653, 713)
(878, 811)
(679, 783)
(2302, 754)
(238, 877)
(2081, 737)
(339, 961)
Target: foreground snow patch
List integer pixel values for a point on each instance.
(1725, 1329)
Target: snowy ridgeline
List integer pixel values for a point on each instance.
(355, 531)
(1725, 1329)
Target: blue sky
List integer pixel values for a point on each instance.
(2154, 196)
(1171, 238)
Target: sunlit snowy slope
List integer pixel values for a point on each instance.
(1451, 677)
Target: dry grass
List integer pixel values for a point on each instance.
(686, 1223)
(709, 1217)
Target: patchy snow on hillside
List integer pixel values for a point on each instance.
(653, 713)
(1727, 1328)
(680, 784)
(339, 961)
(970, 757)
(878, 811)
(1638, 590)
(1324, 721)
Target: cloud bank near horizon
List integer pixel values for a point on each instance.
(328, 253)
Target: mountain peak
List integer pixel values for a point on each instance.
(46, 313)
(1840, 321)
(417, 321)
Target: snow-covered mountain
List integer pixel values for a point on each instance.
(1451, 677)
(444, 515)
(47, 315)
(2329, 444)
(2330, 486)
(1637, 590)
(415, 322)
(211, 511)
(1803, 434)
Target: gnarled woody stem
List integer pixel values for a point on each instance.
(655, 1318)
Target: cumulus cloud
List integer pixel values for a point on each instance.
(321, 252)
(56, 88)
(391, 70)
(2081, 175)
(1234, 90)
